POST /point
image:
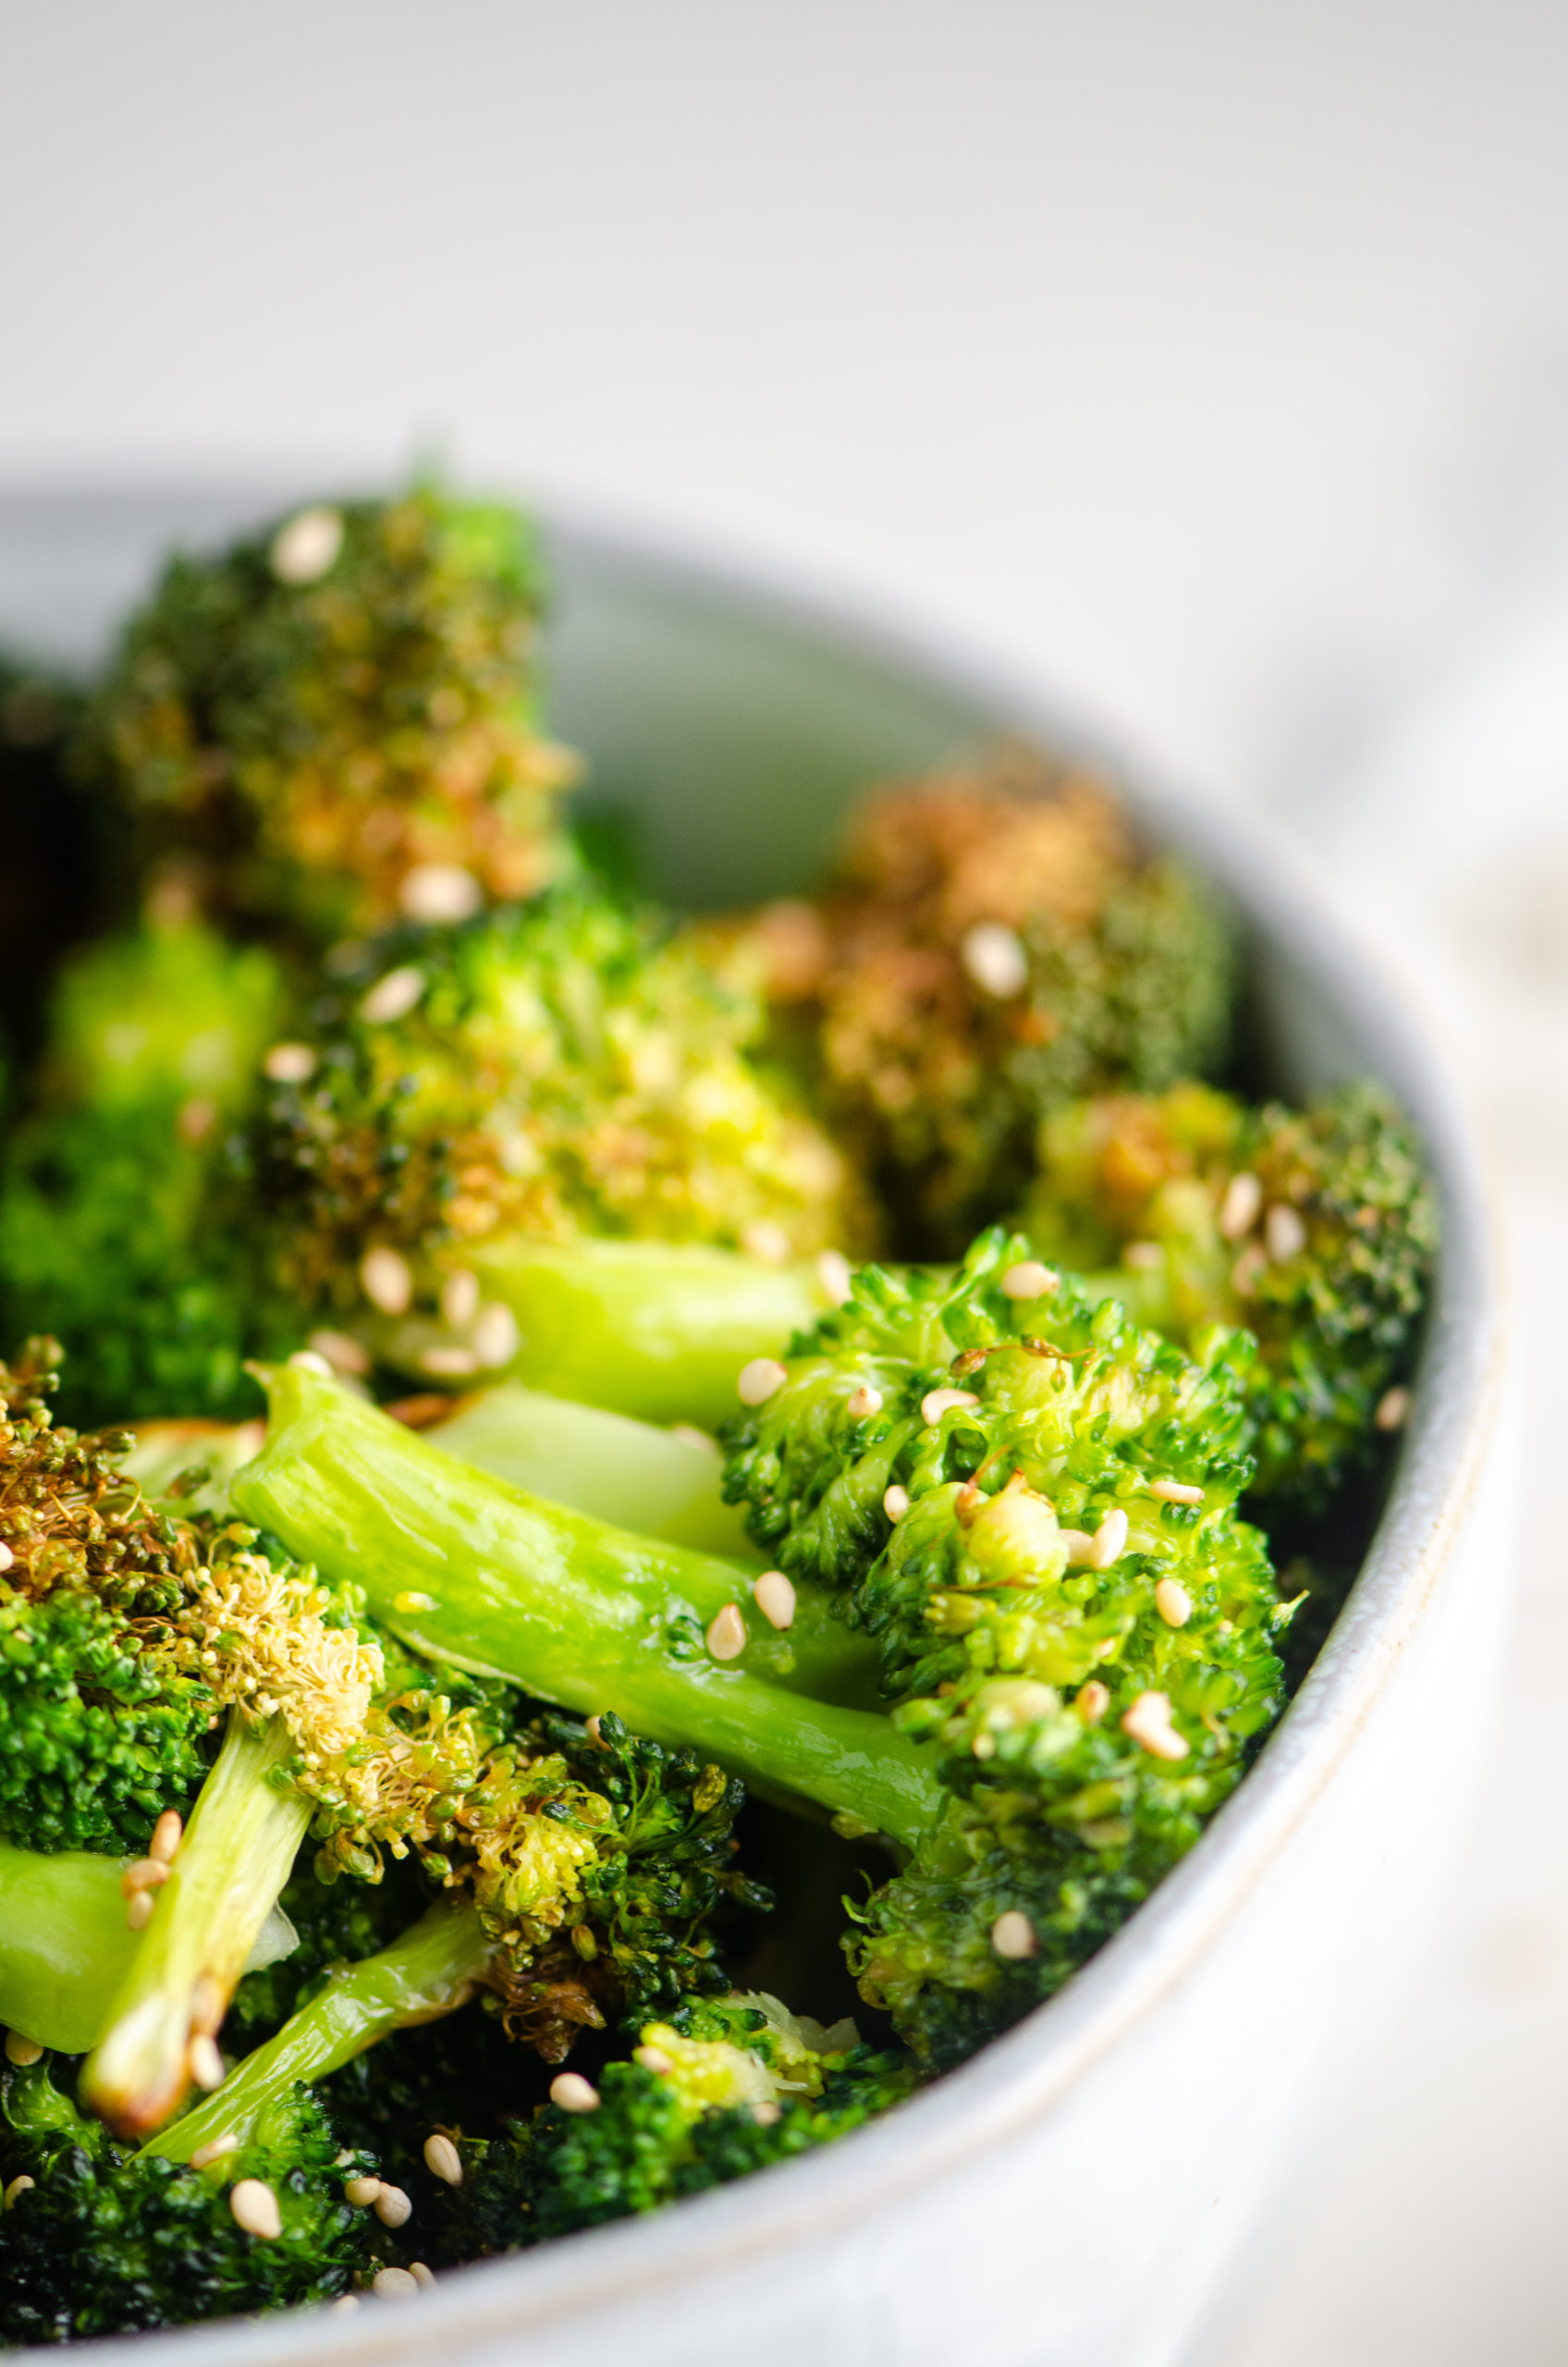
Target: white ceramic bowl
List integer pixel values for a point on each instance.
(1091, 2187)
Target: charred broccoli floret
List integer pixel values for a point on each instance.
(1315, 1227)
(334, 722)
(995, 940)
(61, 861)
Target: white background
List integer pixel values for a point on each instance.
(1212, 358)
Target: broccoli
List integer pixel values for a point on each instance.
(474, 1107)
(59, 860)
(1027, 1500)
(994, 941)
(334, 722)
(1315, 1227)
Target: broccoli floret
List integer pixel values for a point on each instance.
(1315, 1227)
(994, 941)
(61, 861)
(334, 722)
(94, 2240)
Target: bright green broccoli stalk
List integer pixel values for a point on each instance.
(118, 1193)
(1316, 1228)
(334, 722)
(995, 940)
(94, 2240)
(545, 1075)
(1030, 1502)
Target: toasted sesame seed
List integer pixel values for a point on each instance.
(758, 1381)
(895, 1503)
(460, 1298)
(1143, 1256)
(1149, 1722)
(385, 1280)
(423, 2277)
(1175, 1491)
(206, 2155)
(937, 1401)
(345, 2303)
(774, 1598)
(393, 2284)
(6, 1557)
(392, 2207)
(653, 2059)
(494, 1336)
(254, 2206)
(993, 956)
(765, 1241)
(765, 2113)
(445, 1362)
(1092, 1701)
(862, 1402)
(309, 1360)
(19, 2186)
(1029, 1279)
(21, 2051)
(362, 2191)
(1013, 1935)
(204, 2062)
(1080, 1547)
(306, 548)
(726, 1633)
(834, 1273)
(147, 1873)
(1246, 1271)
(168, 1833)
(1173, 1602)
(290, 1064)
(342, 1352)
(572, 2092)
(591, 1728)
(439, 891)
(1284, 1233)
(411, 1602)
(393, 997)
(1238, 1208)
(688, 1435)
(1109, 1540)
(139, 1910)
(443, 2160)
(1394, 1409)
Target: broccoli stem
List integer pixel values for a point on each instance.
(235, 1857)
(468, 1570)
(65, 1947)
(649, 1328)
(429, 1971)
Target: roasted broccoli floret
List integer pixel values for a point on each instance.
(121, 1229)
(530, 1082)
(61, 859)
(994, 941)
(1315, 1227)
(334, 722)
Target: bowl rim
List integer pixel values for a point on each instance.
(1020, 2077)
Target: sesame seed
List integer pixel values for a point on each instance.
(993, 956)
(138, 1911)
(833, 1272)
(385, 1280)
(254, 2206)
(410, 1601)
(460, 1298)
(1394, 1409)
(765, 1241)
(937, 1401)
(688, 1435)
(19, 2186)
(448, 1363)
(342, 1352)
(206, 2155)
(572, 2092)
(653, 2059)
(443, 2160)
(423, 2277)
(495, 1335)
(1173, 1602)
(1143, 1256)
(1284, 1233)
(1149, 1722)
(1013, 1935)
(774, 1598)
(1238, 1209)
(1246, 1270)
(758, 1382)
(306, 548)
(1080, 1547)
(1175, 1491)
(345, 2303)
(439, 891)
(196, 1118)
(765, 2113)
(1092, 1701)
(393, 2284)
(204, 2062)
(895, 1503)
(392, 2207)
(1109, 1540)
(864, 1402)
(727, 1634)
(1029, 1279)
(290, 1064)
(21, 2051)
(393, 997)
(309, 1360)
(6, 1557)
(167, 1835)
(591, 1728)
(362, 2193)
(147, 1873)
